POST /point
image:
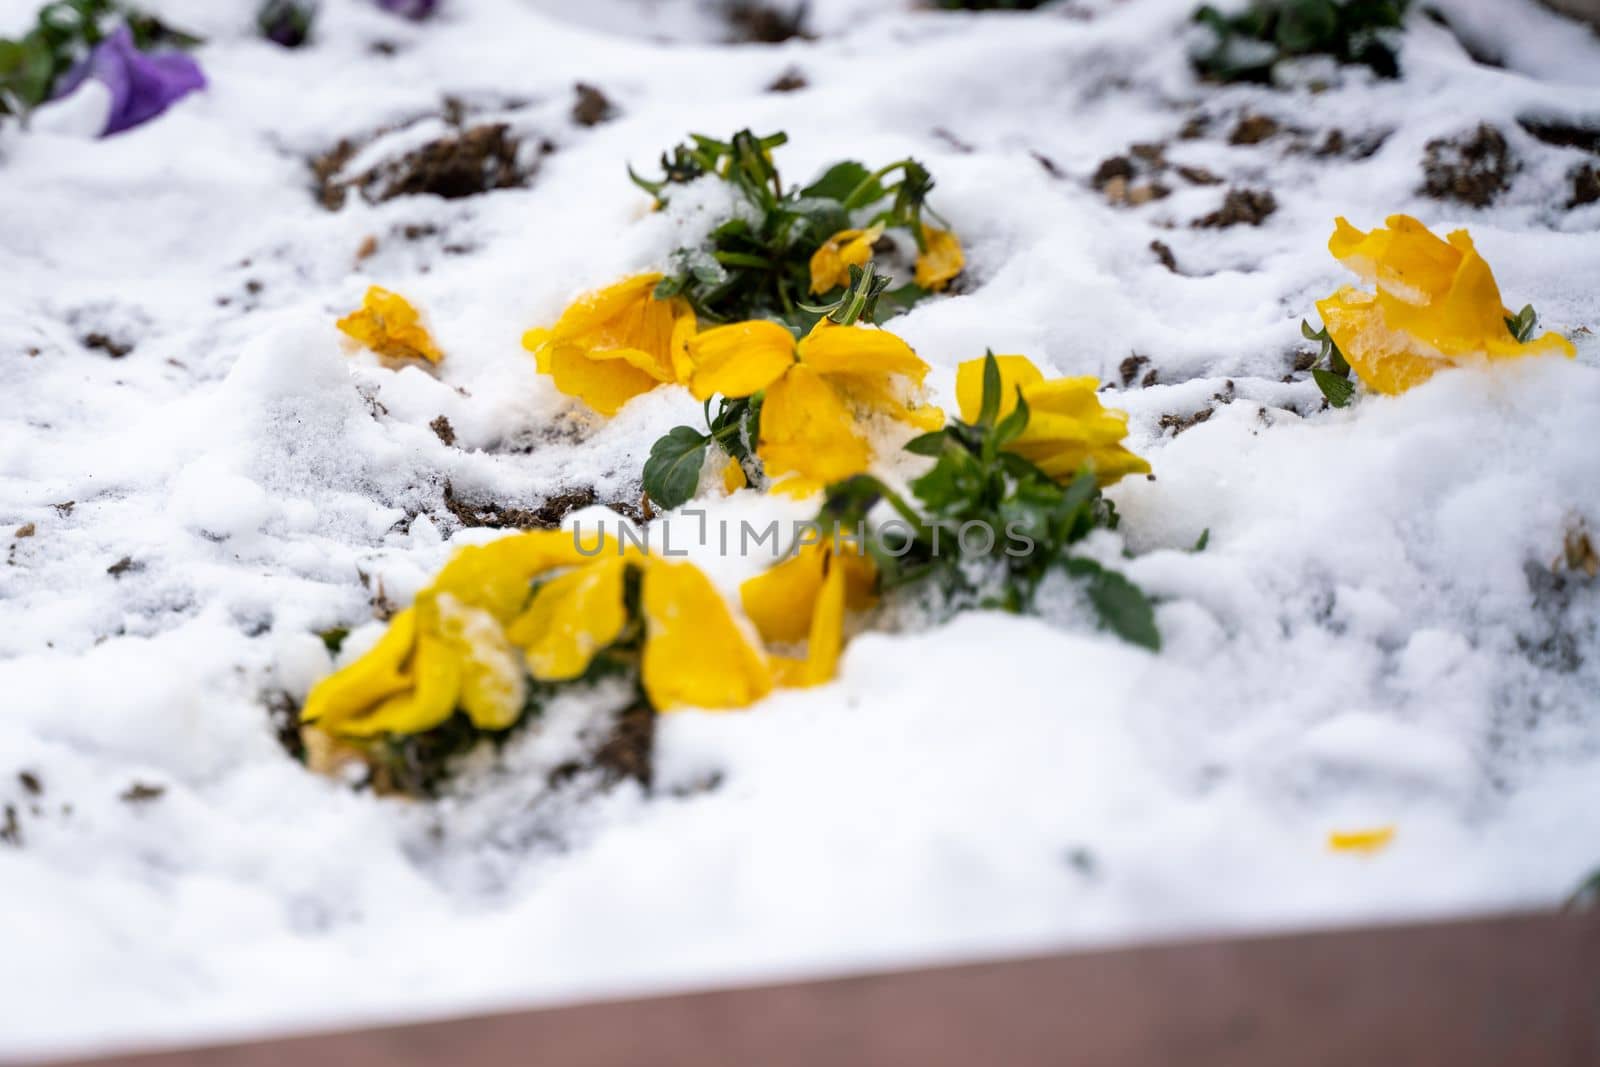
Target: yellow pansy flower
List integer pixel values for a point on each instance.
(448, 649)
(1068, 428)
(804, 598)
(830, 265)
(941, 258)
(388, 324)
(814, 389)
(1436, 305)
(613, 344)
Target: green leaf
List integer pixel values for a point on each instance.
(1012, 425)
(1122, 606)
(333, 638)
(927, 444)
(990, 405)
(1338, 390)
(672, 473)
(839, 181)
(1203, 541)
(1312, 335)
(1523, 323)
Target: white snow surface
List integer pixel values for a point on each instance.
(1372, 637)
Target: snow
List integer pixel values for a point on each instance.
(1373, 635)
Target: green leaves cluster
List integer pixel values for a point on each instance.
(63, 34)
(988, 526)
(757, 263)
(1249, 44)
(1330, 371)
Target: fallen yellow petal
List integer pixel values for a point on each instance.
(1367, 841)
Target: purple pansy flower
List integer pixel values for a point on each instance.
(141, 86)
(411, 9)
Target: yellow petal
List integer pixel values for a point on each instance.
(493, 689)
(695, 654)
(830, 265)
(496, 576)
(806, 429)
(360, 686)
(427, 704)
(740, 359)
(1015, 372)
(782, 601)
(1368, 841)
(613, 344)
(832, 349)
(1382, 358)
(391, 327)
(603, 384)
(572, 618)
(941, 258)
(733, 477)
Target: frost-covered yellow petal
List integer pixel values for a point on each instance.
(824, 638)
(388, 324)
(1437, 304)
(941, 258)
(492, 686)
(695, 653)
(733, 477)
(739, 359)
(615, 343)
(806, 429)
(572, 618)
(830, 265)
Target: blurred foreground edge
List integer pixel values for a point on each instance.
(1521, 991)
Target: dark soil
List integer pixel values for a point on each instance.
(1130, 368)
(1164, 255)
(592, 107)
(1564, 134)
(109, 345)
(1473, 169)
(765, 23)
(1179, 423)
(473, 160)
(140, 793)
(444, 431)
(1253, 129)
(1249, 207)
(1585, 186)
(125, 565)
(547, 516)
(791, 80)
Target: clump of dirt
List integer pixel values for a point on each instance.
(791, 80)
(1249, 207)
(765, 23)
(1130, 368)
(106, 343)
(1179, 423)
(1563, 134)
(1164, 256)
(1253, 129)
(547, 516)
(1473, 169)
(444, 431)
(1585, 186)
(592, 106)
(465, 162)
(1131, 179)
(141, 793)
(125, 565)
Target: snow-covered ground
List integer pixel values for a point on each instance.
(1374, 636)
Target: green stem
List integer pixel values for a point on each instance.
(850, 202)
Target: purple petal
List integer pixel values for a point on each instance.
(411, 9)
(141, 86)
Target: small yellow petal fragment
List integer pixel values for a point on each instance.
(941, 258)
(388, 325)
(830, 266)
(1366, 841)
